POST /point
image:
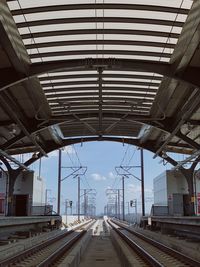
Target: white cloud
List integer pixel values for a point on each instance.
(98, 177)
(108, 187)
(111, 175)
(132, 188)
(136, 189)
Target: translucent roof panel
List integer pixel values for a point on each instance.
(100, 29)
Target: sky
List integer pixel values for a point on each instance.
(100, 158)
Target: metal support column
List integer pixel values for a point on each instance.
(85, 202)
(123, 200)
(66, 206)
(142, 181)
(116, 206)
(118, 192)
(79, 198)
(136, 211)
(59, 179)
(128, 208)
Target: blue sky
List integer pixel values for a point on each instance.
(101, 158)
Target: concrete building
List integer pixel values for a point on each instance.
(29, 193)
(171, 194)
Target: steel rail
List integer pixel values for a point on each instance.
(36, 248)
(33, 250)
(176, 254)
(61, 250)
(139, 250)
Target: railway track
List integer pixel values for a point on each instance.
(48, 252)
(150, 251)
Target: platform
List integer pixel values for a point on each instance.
(25, 223)
(182, 223)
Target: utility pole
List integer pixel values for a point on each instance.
(126, 171)
(79, 198)
(116, 206)
(114, 199)
(59, 179)
(85, 202)
(89, 195)
(128, 210)
(142, 181)
(136, 210)
(66, 206)
(123, 200)
(76, 173)
(118, 193)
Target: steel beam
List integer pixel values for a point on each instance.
(67, 94)
(89, 82)
(15, 115)
(99, 42)
(132, 141)
(12, 141)
(6, 155)
(100, 92)
(11, 42)
(132, 118)
(98, 31)
(102, 52)
(11, 77)
(181, 118)
(104, 75)
(73, 20)
(92, 88)
(100, 6)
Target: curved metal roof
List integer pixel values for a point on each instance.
(100, 69)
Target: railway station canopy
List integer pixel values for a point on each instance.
(83, 70)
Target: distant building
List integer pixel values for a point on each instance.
(29, 193)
